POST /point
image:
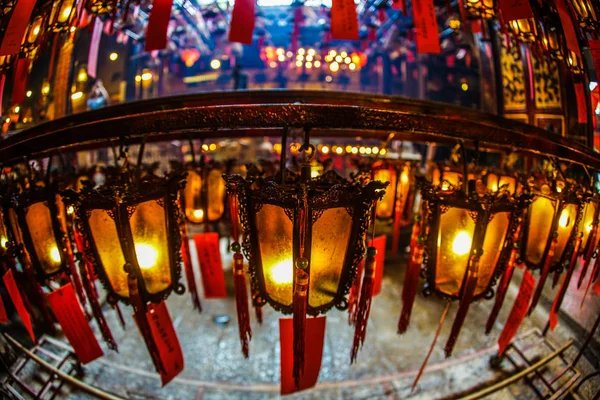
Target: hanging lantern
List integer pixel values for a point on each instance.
(62, 15)
(133, 226)
(483, 9)
(551, 37)
(587, 14)
(588, 226)
(203, 198)
(447, 177)
(575, 63)
(6, 6)
(498, 181)
(33, 34)
(525, 30)
(400, 176)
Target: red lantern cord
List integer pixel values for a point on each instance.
(75, 278)
(354, 294)
(411, 280)
(364, 303)
(501, 293)
(565, 284)
(241, 301)
(543, 276)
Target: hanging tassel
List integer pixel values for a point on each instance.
(397, 224)
(465, 302)
(588, 255)
(75, 278)
(116, 307)
(411, 280)
(259, 314)
(189, 268)
(300, 300)
(501, 293)
(543, 276)
(364, 303)
(435, 338)
(565, 284)
(241, 298)
(354, 293)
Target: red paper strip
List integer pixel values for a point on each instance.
(211, 266)
(582, 114)
(158, 23)
(15, 296)
(313, 353)
(242, 21)
(518, 312)
(515, 9)
(568, 28)
(13, 36)
(92, 67)
(2, 80)
(344, 22)
(379, 243)
(167, 343)
(426, 27)
(20, 80)
(74, 324)
(476, 26)
(3, 316)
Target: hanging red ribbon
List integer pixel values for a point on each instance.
(594, 46)
(364, 303)
(501, 292)
(189, 268)
(411, 280)
(564, 286)
(582, 111)
(211, 266)
(92, 66)
(344, 22)
(158, 23)
(354, 293)
(241, 28)
(313, 353)
(379, 243)
(515, 9)
(13, 35)
(543, 276)
(3, 315)
(426, 27)
(20, 80)
(591, 280)
(568, 27)
(74, 324)
(15, 296)
(399, 5)
(518, 311)
(241, 302)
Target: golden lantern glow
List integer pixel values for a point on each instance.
(399, 197)
(497, 181)
(5, 63)
(62, 15)
(483, 9)
(575, 63)
(203, 198)
(588, 15)
(589, 218)
(33, 34)
(524, 30)
(552, 39)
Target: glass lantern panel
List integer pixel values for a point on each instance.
(454, 240)
(566, 223)
(541, 215)
(39, 223)
(216, 192)
(191, 195)
(34, 30)
(587, 222)
(492, 182)
(404, 183)
(275, 240)
(106, 238)
(65, 11)
(330, 236)
(385, 207)
(452, 179)
(149, 232)
(493, 243)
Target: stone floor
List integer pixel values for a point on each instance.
(385, 369)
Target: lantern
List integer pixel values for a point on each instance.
(133, 227)
(587, 14)
(33, 35)
(6, 6)
(446, 177)
(400, 176)
(203, 198)
(524, 30)
(101, 7)
(484, 9)
(498, 181)
(575, 63)
(62, 15)
(5, 64)
(588, 227)
(552, 38)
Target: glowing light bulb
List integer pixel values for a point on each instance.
(113, 56)
(215, 64)
(3, 241)
(494, 187)
(403, 177)
(283, 272)
(70, 210)
(588, 227)
(314, 173)
(146, 255)
(54, 254)
(66, 13)
(325, 149)
(462, 243)
(339, 150)
(198, 214)
(564, 219)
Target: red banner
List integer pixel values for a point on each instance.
(92, 67)
(582, 114)
(515, 9)
(20, 80)
(158, 23)
(426, 27)
(313, 353)
(211, 266)
(3, 316)
(568, 28)
(74, 324)
(518, 311)
(242, 21)
(167, 343)
(379, 243)
(15, 296)
(344, 22)
(13, 36)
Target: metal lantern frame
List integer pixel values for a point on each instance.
(32, 39)
(552, 41)
(101, 7)
(120, 202)
(324, 192)
(569, 195)
(481, 208)
(6, 7)
(56, 13)
(203, 169)
(500, 175)
(397, 166)
(525, 30)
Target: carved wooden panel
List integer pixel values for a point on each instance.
(546, 81)
(513, 77)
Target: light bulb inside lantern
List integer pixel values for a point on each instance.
(146, 255)
(564, 219)
(588, 227)
(462, 243)
(198, 214)
(70, 210)
(66, 13)
(55, 255)
(404, 177)
(3, 241)
(283, 272)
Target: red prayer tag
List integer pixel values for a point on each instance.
(20, 80)
(242, 21)
(3, 315)
(426, 27)
(313, 353)
(344, 22)
(15, 296)
(13, 36)
(92, 67)
(582, 114)
(518, 312)
(379, 243)
(158, 23)
(211, 266)
(515, 9)
(167, 343)
(74, 324)
(568, 28)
